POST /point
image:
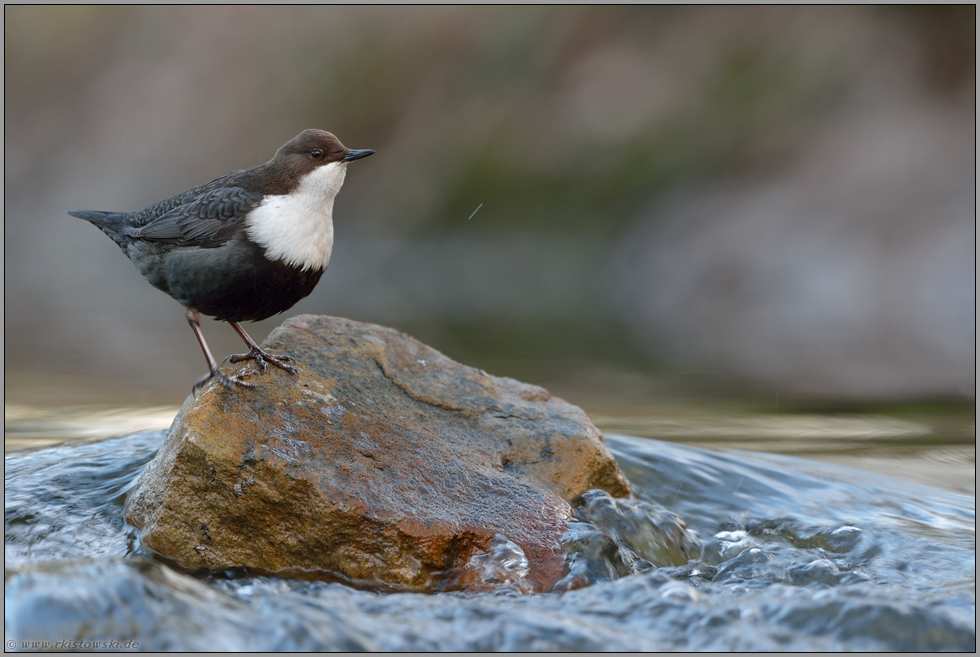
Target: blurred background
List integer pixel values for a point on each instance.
(639, 208)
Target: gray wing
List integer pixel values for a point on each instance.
(208, 220)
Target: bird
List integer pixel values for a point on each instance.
(245, 246)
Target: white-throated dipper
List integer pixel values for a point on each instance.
(243, 247)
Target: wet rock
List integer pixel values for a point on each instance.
(384, 461)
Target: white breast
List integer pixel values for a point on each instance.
(297, 228)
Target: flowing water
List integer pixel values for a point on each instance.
(719, 550)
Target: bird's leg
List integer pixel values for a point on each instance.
(255, 352)
(215, 373)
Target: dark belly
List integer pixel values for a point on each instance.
(275, 289)
(236, 283)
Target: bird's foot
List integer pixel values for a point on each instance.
(226, 381)
(263, 357)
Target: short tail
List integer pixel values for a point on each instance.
(100, 219)
(111, 223)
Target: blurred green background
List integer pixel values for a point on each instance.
(769, 207)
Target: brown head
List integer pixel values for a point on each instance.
(303, 154)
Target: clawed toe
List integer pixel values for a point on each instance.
(262, 357)
(280, 362)
(228, 382)
(237, 358)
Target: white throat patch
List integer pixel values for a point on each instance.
(297, 228)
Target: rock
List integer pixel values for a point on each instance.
(383, 461)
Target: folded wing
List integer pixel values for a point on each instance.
(207, 221)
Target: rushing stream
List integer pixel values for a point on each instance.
(779, 553)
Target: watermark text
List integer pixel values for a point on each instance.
(69, 644)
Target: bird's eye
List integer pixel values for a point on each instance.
(316, 153)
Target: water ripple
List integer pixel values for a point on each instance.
(718, 551)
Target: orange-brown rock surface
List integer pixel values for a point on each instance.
(384, 461)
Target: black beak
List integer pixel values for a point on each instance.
(356, 155)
